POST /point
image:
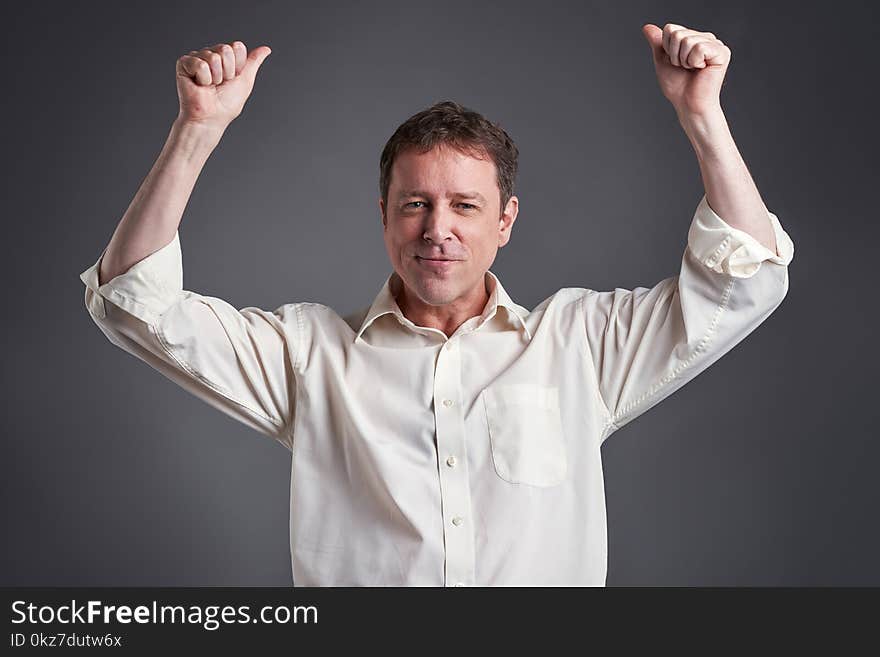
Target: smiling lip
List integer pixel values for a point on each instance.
(435, 264)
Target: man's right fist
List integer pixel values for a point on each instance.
(214, 83)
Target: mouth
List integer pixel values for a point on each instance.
(436, 264)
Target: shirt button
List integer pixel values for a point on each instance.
(457, 520)
(447, 402)
(450, 461)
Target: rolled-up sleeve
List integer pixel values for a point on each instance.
(646, 343)
(238, 361)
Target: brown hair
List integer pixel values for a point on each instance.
(467, 131)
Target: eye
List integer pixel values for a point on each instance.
(468, 206)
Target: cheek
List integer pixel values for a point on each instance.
(397, 243)
(484, 244)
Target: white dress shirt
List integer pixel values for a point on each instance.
(418, 459)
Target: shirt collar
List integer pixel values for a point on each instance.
(385, 303)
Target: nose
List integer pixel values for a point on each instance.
(438, 226)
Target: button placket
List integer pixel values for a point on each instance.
(454, 483)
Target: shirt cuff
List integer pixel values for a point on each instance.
(146, 290)
(729, 250)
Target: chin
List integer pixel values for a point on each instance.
(435, 291)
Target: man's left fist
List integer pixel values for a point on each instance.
(690, 66)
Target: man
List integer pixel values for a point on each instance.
(445, 435)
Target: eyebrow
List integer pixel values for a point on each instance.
(471, 195)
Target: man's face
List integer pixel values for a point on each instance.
(443, 223)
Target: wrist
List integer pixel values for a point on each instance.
(707, 131)
(703, 121)
(196, 139)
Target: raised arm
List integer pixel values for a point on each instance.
(648, 342)
(242, 362)
(212, 85)
(690, 67)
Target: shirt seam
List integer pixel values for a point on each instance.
(608, 416)
(291, 429)
(716, 256)
(281, 425)
(684, 364)
(153, 322)
(124, 298)
(300, 327)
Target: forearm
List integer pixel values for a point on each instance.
(155, 212)
(730, 190)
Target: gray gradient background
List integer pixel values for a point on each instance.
(762, 471)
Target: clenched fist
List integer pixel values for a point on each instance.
(214, 83)
(690, 66)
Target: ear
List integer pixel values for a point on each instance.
(505, 223)
(382, 211)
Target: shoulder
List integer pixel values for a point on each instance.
(320, 319)
(566, 298)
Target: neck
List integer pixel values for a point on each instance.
(447, 317)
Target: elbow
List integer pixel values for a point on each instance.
(776, 291)
(782, 288)
(95, 305)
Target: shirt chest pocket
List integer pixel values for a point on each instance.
(525, 433)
